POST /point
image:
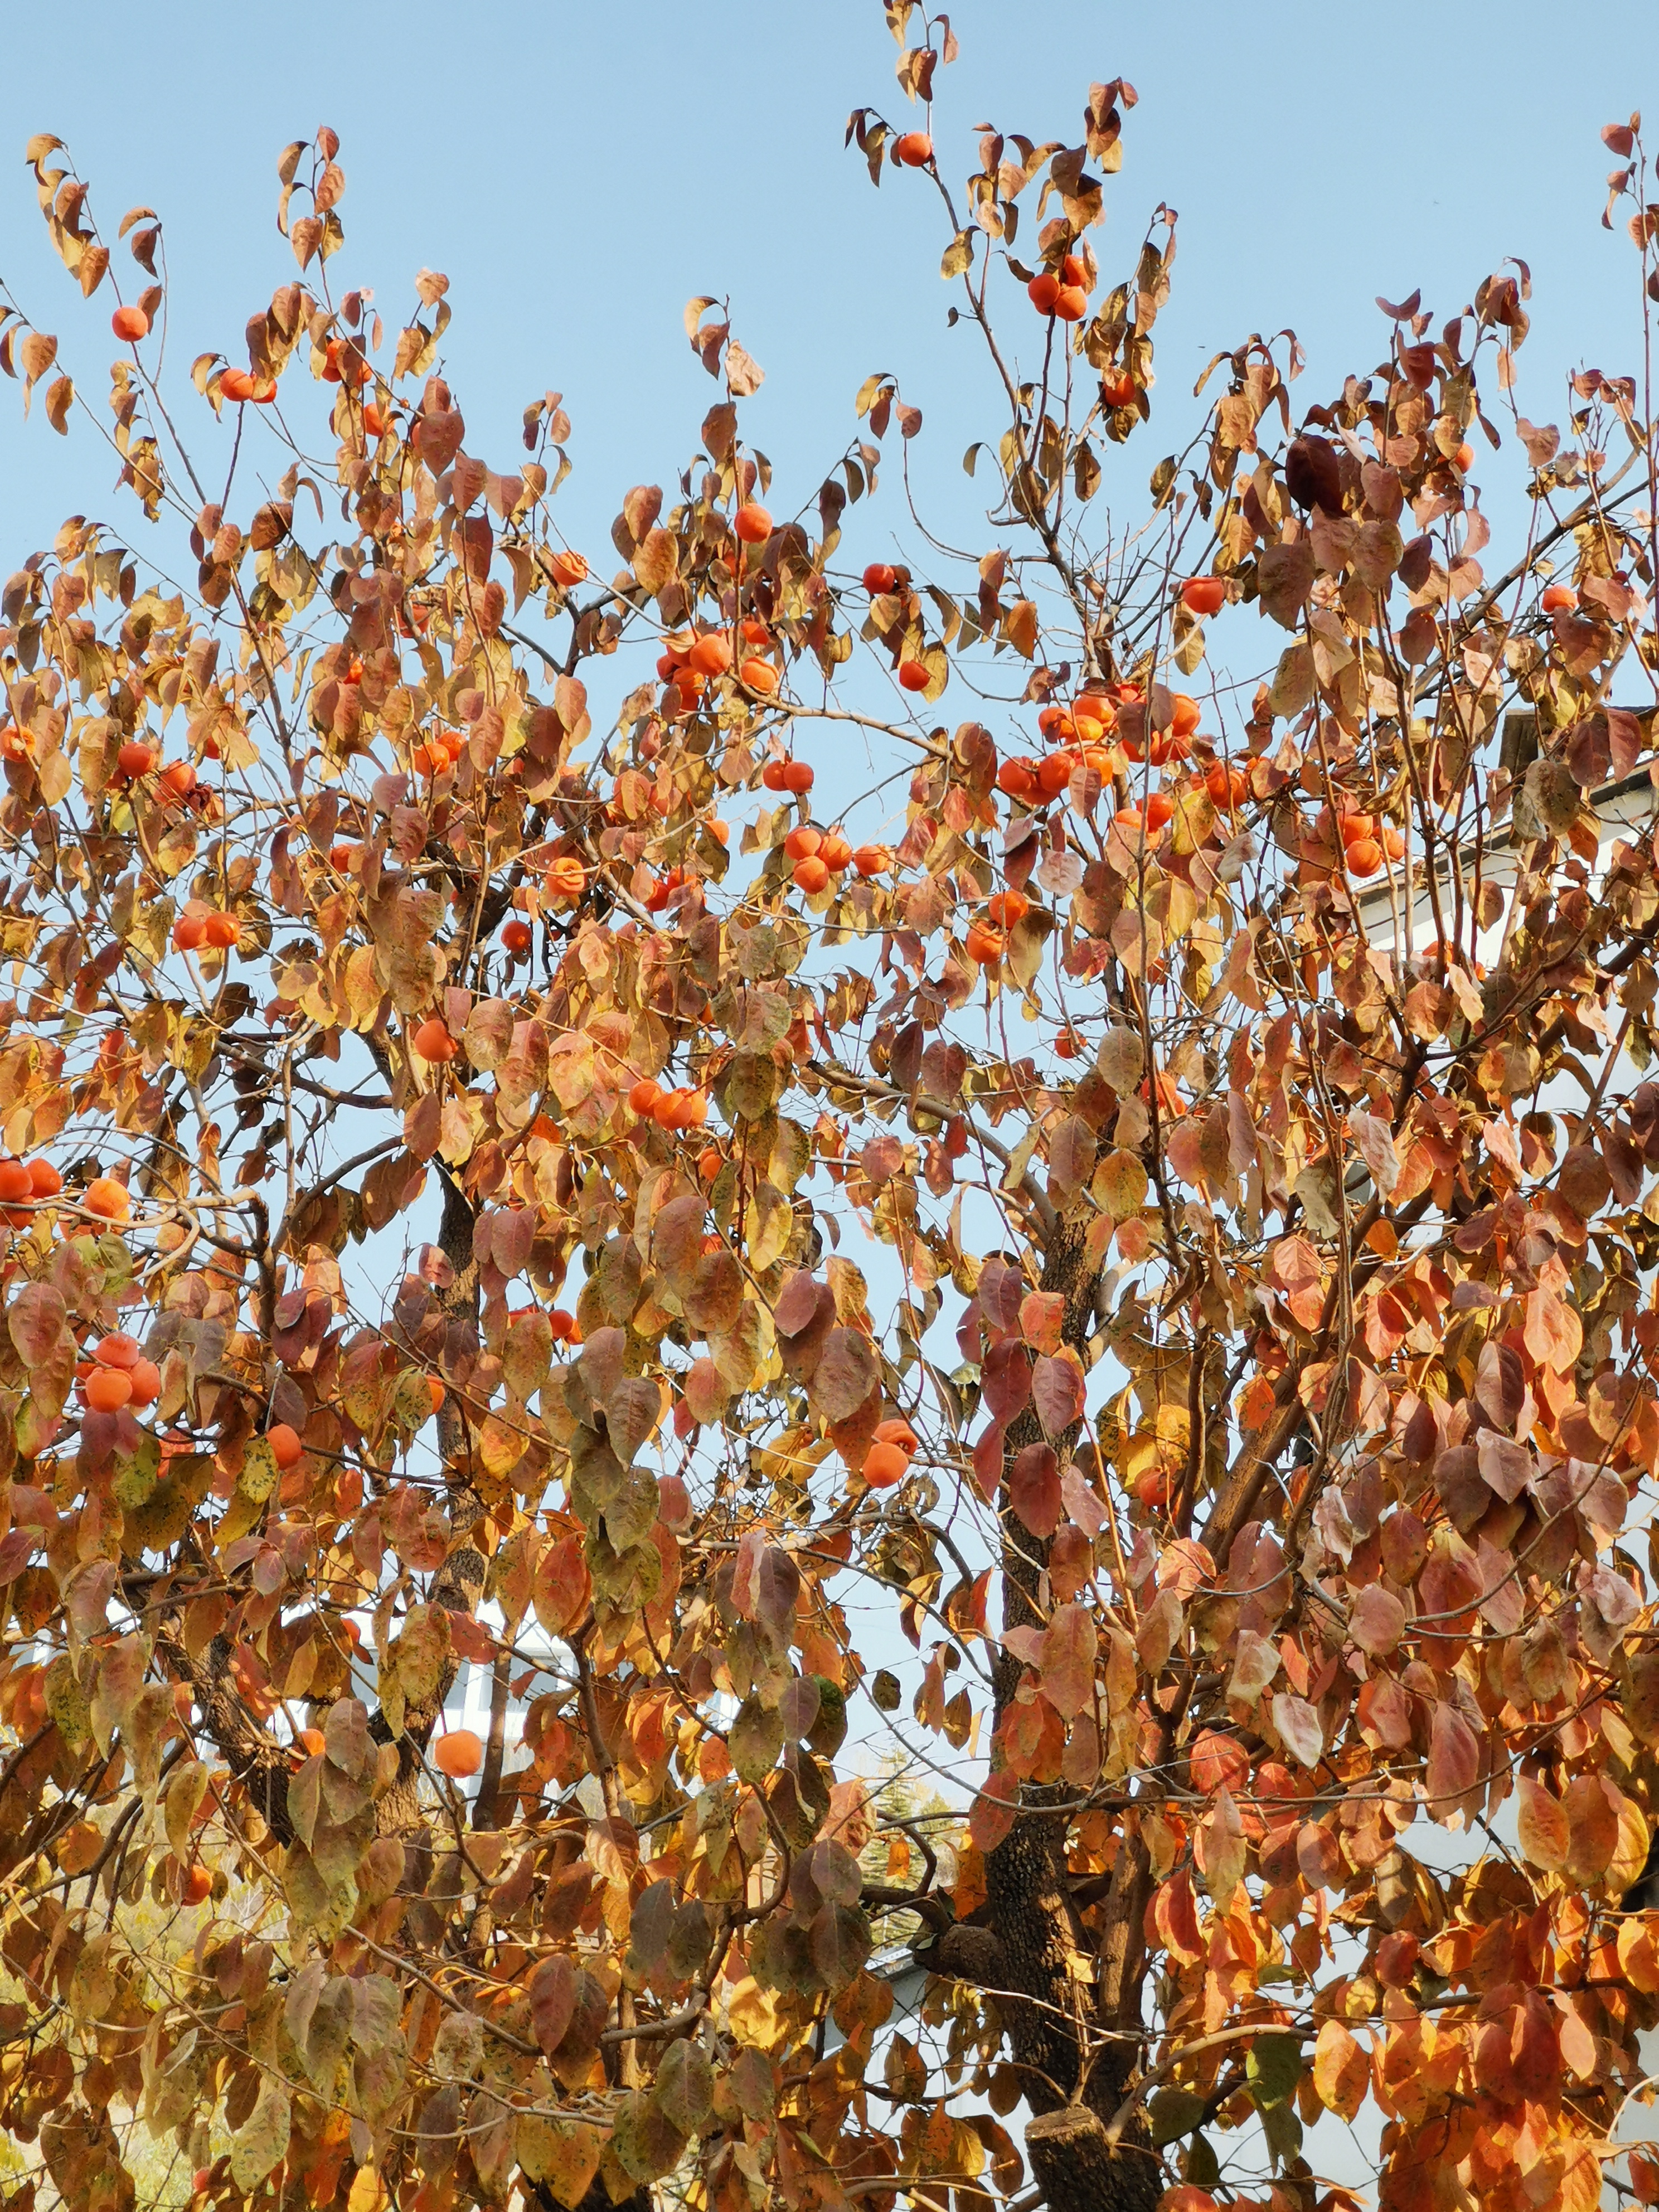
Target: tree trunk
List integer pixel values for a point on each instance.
(1068, 1995)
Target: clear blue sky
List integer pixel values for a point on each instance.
(578, 171)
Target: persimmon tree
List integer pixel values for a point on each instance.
(1158, 1188)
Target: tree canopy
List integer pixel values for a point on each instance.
(1153, 1186)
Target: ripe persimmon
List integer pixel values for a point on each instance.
(759, 675)
(1227, 786)
(457, 1754)
(1093, 717)
(567, 570)
(801, 843)
(711, 654)
(15, 1185)
(107, 1389)
(284, 1442)
(1006, 908)
(984, 944)
(565, 878)
(1185, 718)
(107, 1198)
(799, 777)
(913, 676)
(810, 875)
(681, 1108)
(1071, 303)
(145, 1378)
(880, 578)
(189, 932)
(135, 758)
(835, 852)
(1559, 599)
(1044, 291)
(116, 1350)
(1364, 857)
(752, 523)
(177, 779)
(873, 860)
(221, 931)
(1117, 388)
(516, 936)
(240, 385)
(130, 324)
(773, 774)
(913, 151)
(375, 422)
(884, 1464)
(644, 1095)
(1204, 595)
(44, 1181)
(896, 1430)
(1054, 774)
(1019, 778)
(433, 1041)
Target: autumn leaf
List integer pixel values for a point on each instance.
(1342, 2069)
(1067, 1666)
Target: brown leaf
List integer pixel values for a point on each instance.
(1067, 1667)
(846, 1376)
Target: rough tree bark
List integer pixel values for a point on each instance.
(1074, 2009)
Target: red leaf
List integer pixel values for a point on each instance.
(705, 1391)
(1041, 1313)
(992, 1816)
(798, 1304)
(1174, 1917)
(1057, 1386)
(1005, 1379)
(1082, 1501)
(987, 1462)
(1034, 1489)
(552, 2001)
(37, 1319)
(1454, 1760)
